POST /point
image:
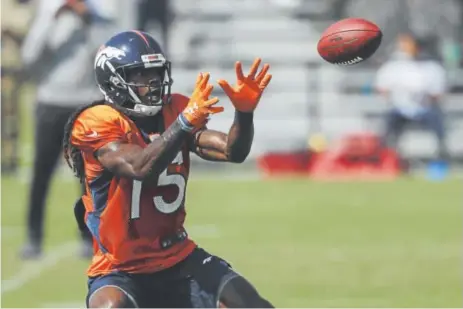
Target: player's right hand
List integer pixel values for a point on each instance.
(200, 107)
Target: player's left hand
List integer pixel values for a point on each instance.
(245, 95)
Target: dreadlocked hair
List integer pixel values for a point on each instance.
(72, 154)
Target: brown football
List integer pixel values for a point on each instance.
(349, 41)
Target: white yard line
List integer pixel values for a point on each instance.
(33, 269)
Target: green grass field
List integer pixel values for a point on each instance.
(303, 244)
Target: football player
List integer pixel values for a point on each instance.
(132, 152)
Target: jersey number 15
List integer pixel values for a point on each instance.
(165, 179)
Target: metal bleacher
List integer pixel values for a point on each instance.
(240, 30)
(210, 35)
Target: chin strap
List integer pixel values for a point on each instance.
(146, 109)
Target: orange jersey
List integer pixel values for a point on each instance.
(129, 218)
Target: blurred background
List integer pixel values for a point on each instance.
(351, 195)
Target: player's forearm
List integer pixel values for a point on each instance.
(160, 152)
(240, 137)
(132, 161)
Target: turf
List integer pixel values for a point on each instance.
(303, 244)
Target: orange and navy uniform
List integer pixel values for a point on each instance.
(128, 218)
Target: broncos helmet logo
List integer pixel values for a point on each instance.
(107, 53)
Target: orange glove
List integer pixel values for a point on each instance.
(245, 95)
(200, 107)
